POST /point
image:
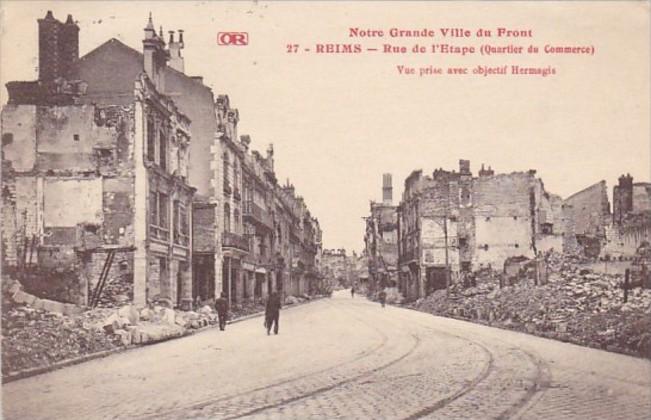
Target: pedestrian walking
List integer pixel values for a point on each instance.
(221, 306)
(352, 292)
(272, 312)
(383, 297)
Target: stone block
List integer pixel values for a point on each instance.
(53, 306)
(130, 313)
(168, 316)
(22, 297)
(15, 288)
(125, 337)
(70, 309)
(145, 314)
(205, 310)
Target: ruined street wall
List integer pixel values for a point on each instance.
(503, 218)
(589, 209)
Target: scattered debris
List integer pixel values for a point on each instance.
(576, 305)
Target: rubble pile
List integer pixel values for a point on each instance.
(117, 292)
(37, 337)
(39, 332)
(575, 305)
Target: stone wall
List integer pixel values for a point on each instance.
(503, 217)
(590, 210)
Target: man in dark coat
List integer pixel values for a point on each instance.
(383, 297)
(221, 305)
(272, 312)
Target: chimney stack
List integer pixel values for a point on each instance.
(387, 190)
(58, 47)
(176, 59)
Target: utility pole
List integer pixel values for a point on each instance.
(447, 262)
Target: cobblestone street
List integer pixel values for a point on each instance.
(344, 358)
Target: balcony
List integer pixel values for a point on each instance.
(233, 240)
(257, 215)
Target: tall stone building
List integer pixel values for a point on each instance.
(252, 235)
(96, 181)
(381, 240)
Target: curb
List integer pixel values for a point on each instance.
(26, 373)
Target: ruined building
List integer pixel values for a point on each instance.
(337, 267)
(631, 222)
(589, 213)
(95, 175)
(381, 240)
(451, 223)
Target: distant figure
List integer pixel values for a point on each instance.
(221, 305)
(383, 297)
(352, 292)
(272, 312)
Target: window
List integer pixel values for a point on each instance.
(180, 224)
(163, 209)
(162, 158)
(151, 141)
(227, 217)
(7, 139)
(153, 208)
(236, 219)
(159, 215)
(75, 137)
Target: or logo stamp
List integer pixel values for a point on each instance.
(233, 38)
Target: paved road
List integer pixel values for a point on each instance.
(349, 359)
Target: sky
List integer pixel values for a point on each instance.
(339, 121)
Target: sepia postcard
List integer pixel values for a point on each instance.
(325, 209)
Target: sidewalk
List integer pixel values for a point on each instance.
(25, 373)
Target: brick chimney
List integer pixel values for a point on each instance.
(623, 198)
(387, 190)
(464, 167)
(58, 47)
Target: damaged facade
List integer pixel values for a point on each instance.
(594, 232)
(252, 236)
(381, 240)
(94, 184)
(630, 228)
(589, 212)
(451, 223)
(121, 143)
